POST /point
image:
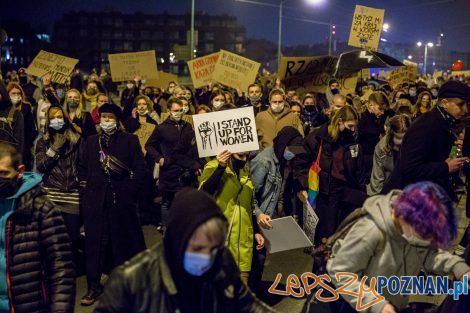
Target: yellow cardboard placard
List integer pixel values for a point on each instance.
(235, 71)
(126, 66)
(59, 67)
(403, 74)
(201, 69)
(366, 28)
(162, 80)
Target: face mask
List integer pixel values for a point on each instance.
(108, 127)
(346, 136)
(171, 89)
(185, 109)
(188, 98)
(218, 104)
(142, 113)
(335, 91)
(73, 104)
(310, 108)
(413, 93)
(57, 123)
(60, 93)
(197, 264)
(177, 116)
(8, 186)
(91, 91)
(238, 164)
(434, 93)
(288, 155)
(277, 108)
(15, 99)
(129, 86)
(254, 99)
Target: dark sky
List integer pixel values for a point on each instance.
(410, 20)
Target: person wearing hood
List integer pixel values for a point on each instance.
(111, 172)
(18, 99)
(11, 121)
(401, 234)
(57, 155)
(327, 98)
(268, 173)
(81, 120)
(270, 122)
(311, 115)
(254, 99)
(90, 96)
(172, 145)
(35, 250)
(191, 271)
(342, 178)
(228, 179)
(31, 90)
(128, 95)
(429, 140)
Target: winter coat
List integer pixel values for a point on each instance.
(125, 230)
(145, 285)
(268, 125)
(235, 197)
(12, 128)
(86, 124)
(374, 246)
(425, 147)
(39, 257)
(174, 142)
(30, 132)
(370, 128)
(381, 169)
(267, 179)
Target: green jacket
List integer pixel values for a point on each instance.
(235, 197)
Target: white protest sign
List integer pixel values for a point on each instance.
(234, 130)
(310, 221)
(59, 67)
(285, 235)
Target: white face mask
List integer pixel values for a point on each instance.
(277, 107)
(108, 127)
(218, 104)
(129, 86)
(185, 109)
(142, 113)
(15, 99)
(177, 116)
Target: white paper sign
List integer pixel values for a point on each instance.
(234, 130)
(285, 235)
(310, 221)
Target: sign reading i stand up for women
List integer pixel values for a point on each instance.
(234, 130)
(366, 28)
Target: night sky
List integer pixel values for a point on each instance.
(410, 20)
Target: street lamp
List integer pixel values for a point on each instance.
(430, 45)
(385, 27)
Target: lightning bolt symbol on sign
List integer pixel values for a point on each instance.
(364, 55)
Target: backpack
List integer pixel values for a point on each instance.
(6, 128)
(322, 253)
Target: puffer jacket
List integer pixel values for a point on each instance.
(61, 172)
(145, 285)
(39, 257)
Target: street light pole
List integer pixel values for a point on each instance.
(279, 35)
(192, 30)
(425, 59)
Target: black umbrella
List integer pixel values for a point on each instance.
(354, 61)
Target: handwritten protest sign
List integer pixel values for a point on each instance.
(163, 79)
(201, 69)
(402, 75)
(366, 28)
(59, 67)
(313, 74)
(125, 66)
(310, 223)
(235, 71)
(234, 130)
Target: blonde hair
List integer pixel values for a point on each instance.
(147, 100)
(215, 229)
(346, 113)
(78, 112)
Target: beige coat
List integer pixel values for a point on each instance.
(268, 125)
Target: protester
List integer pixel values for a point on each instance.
(190, 271)
(11, 121)
(386, 152)
(111, 172)
(338, 101)
(128, 96)
(270, 122)
(172, 146)
(202, 108)
(254, 99)
(311, 116)
(32, 91)
(57, 155)
(81, 120)
(89, 96)
(401, 234)
(217, 100)
(100, 100)
(423, 104)
(429, 140)
(332, 90)
(36, 255)
(342, 178)
(227, 179)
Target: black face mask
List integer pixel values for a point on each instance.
(310, 108)
(334, 91)
(8, 186)
(238, 164)
(346, 136)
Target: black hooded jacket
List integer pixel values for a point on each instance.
(11, 121)
(155, 280)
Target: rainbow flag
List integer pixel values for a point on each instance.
(314, 179)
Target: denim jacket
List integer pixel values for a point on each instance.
(267, 180)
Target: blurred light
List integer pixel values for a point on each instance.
(433, 63)
(430, 44)
(314, 2)
(419, 43)
(442, 34)
(383, 39)
(385, 27)
(410, 57)
(162, 60)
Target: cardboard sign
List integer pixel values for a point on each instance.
(126, 66)
(162, 81)
(201, 69)
(285, 235)
(59, 67)
(310, 221)
(313, 74)
(402, 75)
(235, 71)
(234, 130)
(366, 28)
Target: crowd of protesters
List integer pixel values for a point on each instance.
(110, 158)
